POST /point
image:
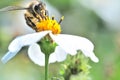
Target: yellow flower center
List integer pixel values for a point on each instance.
(49, 24)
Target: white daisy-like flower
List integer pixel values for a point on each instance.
(66, 44)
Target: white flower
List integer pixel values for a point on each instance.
(67, 44)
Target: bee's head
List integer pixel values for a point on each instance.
(38, 6)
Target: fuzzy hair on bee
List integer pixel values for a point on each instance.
(35, 12)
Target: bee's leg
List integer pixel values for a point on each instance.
(46, 13)
(30, 23)
(43, 14)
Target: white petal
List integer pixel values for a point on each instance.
(36, 55)
(72, 43)
(13, 50)
(91, 55)
(25, 40)
(59, 55)
(8, 56)
(16, 45)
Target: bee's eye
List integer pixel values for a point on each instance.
(36, 7)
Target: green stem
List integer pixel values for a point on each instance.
(46, 66)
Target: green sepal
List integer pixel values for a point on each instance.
(47, 45)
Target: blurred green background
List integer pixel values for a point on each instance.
(93, 19)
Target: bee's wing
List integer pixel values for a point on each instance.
(12, 8)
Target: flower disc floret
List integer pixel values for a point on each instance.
(49, 24)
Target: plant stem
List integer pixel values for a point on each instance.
(46, 66)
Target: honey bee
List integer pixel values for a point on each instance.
(35, 12)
